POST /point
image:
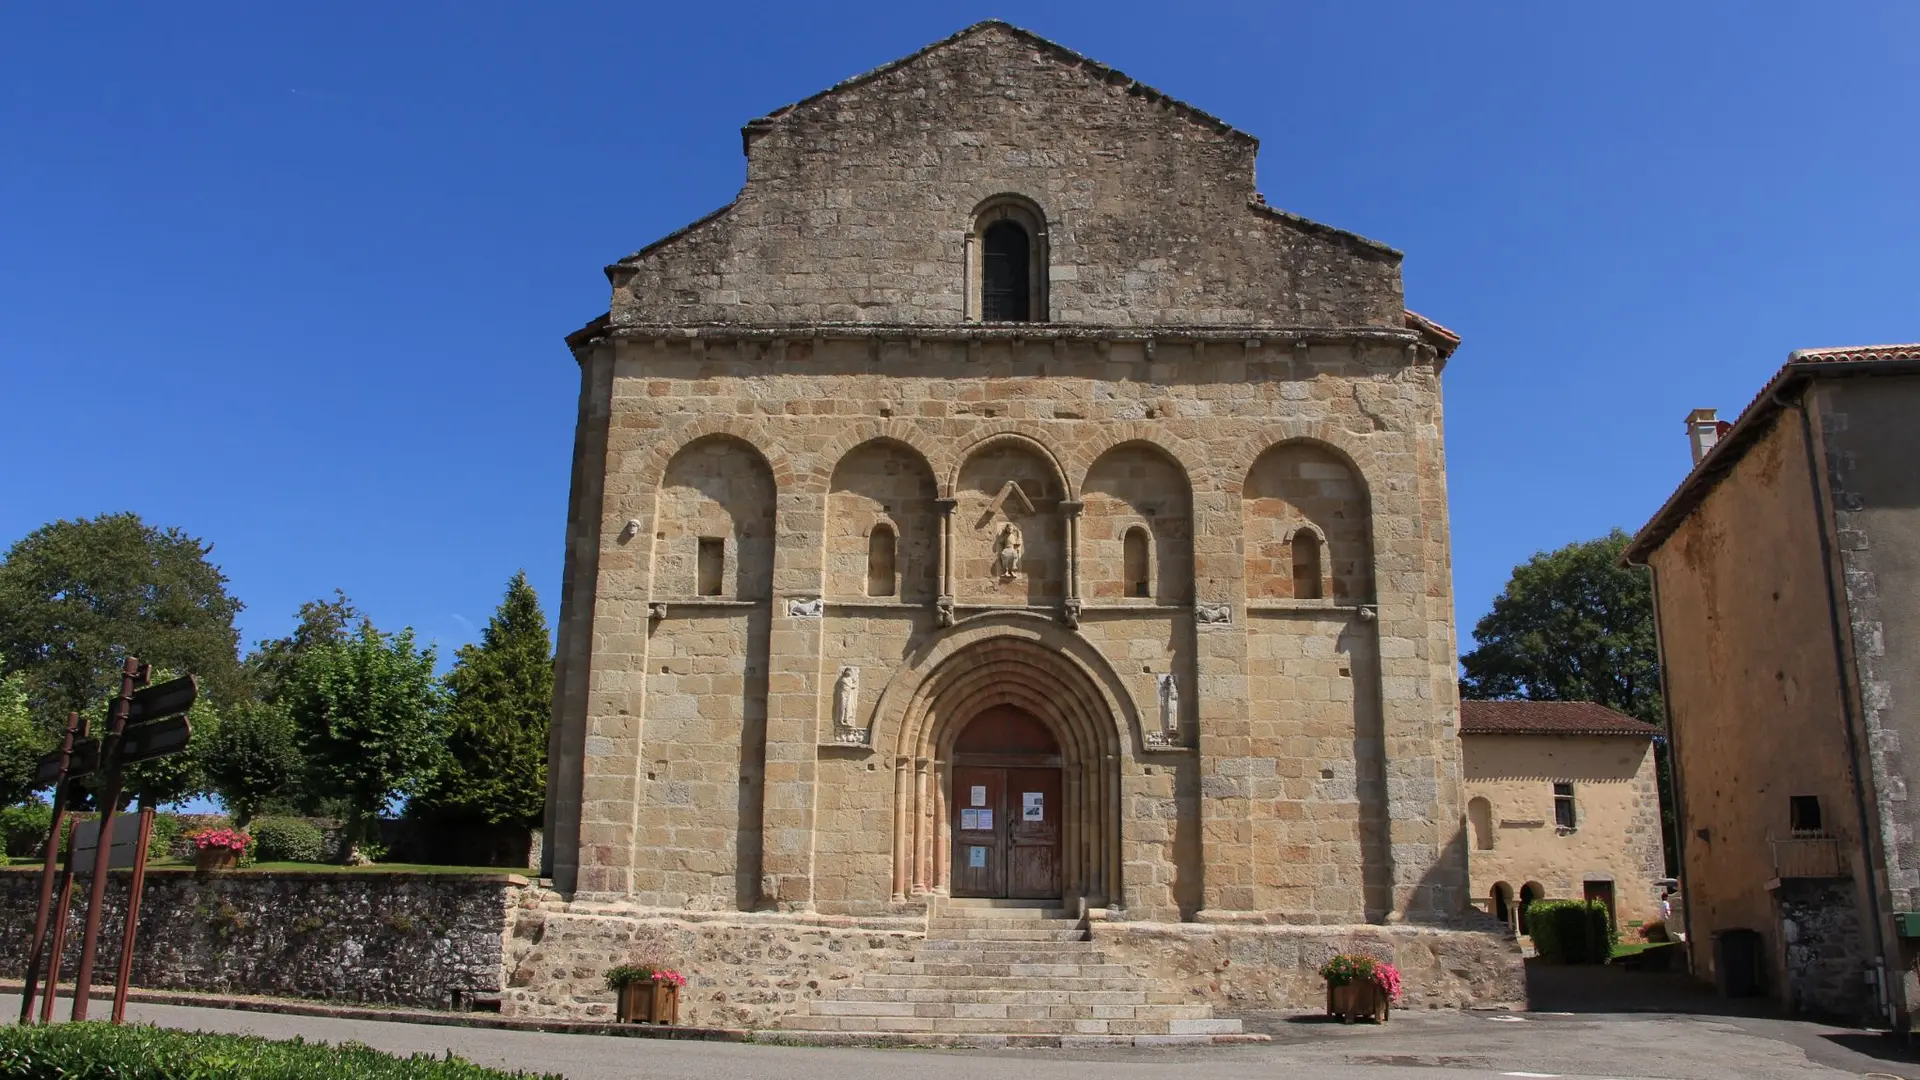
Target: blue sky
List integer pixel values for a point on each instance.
(322, 256)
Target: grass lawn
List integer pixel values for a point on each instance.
(1629, 948)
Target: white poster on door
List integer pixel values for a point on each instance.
(1033, 806)
(976, 857)
(979, 795)
(985, 820)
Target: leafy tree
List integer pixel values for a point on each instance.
(500, 705)
(183, 775)
(76, 597)
(1571, 625)
(253, 759)
(322, 621)
(369, 718)
(22, 741)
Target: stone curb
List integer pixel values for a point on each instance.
(768, 1036)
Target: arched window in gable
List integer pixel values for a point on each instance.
(1137, 562)
(1007, 262)
(881, 579)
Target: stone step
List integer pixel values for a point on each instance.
(1002, 995)
(953, 1025)
(1043, 908)
(964, 1010)
(995, 917)
(1069, 932)
(889, 981)
(1008, 970)
(946, 947)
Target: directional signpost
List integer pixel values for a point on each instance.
(144, 722)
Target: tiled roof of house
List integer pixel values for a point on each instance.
(1756, 419)
(1548, 718)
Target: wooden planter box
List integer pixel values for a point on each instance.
(649, 1002)
(1361, 999)
(215, 858)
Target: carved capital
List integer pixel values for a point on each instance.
(1070, 613)
(656, 611)
(1072, 507)
(945, 507)
(943, 611)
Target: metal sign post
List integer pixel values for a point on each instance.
(75, 729)
(145, 722)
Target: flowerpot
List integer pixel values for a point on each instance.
(215, 858)
(1359, 999)
(649, 1002)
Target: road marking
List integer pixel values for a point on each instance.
(1543, 1076)
(1508, 1019)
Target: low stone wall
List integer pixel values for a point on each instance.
(1240, 967)
(743, 969)
(421, 940)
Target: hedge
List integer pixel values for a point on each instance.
(1571, 931)
(98, 1051)
(285, 839)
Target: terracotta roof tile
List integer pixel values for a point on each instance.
(1548, 718)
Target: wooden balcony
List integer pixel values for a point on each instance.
(1804, 856)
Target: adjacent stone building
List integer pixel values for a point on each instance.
(999, 500)
(1562, 803)
(1786, 575)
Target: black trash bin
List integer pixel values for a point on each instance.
(1736, 962)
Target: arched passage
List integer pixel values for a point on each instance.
(1007, 676)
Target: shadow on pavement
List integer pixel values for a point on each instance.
(1594, 988)
(1881, 1046)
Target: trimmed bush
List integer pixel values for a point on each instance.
(23, 829)
(166, 827)
(1571, 931)
(98, 1050)
(280, 839)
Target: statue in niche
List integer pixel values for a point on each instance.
(1007, 550)
(1169, 703)
(846, 699)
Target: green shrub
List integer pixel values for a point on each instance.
(23, 829)
(280, 839)
(1571, 931)
(102, 1051)
(165, 828)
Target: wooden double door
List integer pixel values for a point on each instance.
(1006, 831)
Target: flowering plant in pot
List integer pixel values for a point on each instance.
(1359, 985)
(218, 849)
(646, 993)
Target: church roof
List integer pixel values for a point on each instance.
(1058, 51)
(1548, 718)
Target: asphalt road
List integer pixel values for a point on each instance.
(1414, 1046)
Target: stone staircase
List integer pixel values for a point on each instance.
(1007, 972)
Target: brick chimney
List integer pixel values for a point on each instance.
(1703, 431)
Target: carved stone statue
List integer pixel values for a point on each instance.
(1007, 550)
(1169, 703)
(846, 699)
(806, 609)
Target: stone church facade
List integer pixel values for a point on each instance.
(999, 499)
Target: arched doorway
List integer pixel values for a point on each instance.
(1529, 892)
(1006, 807)
(1501, 902)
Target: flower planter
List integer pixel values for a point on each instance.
(648, 1002)
(1359, 999)
(210, 859)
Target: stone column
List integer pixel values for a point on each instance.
(902, 825)
(1070, 587)
(1225, 731)
(922, 822)
(794, 695)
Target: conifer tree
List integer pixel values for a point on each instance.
(500, 703)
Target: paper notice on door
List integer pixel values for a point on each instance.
(976, 858)
(985, 819)
(969, 819)
(980, 795)
(1033, 806)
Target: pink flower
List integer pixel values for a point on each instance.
(228, 839)
(671, 978)
(1387, 977)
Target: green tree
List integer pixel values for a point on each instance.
(369, 719)
(321, 622)
(22, 741)
(184, 775)
(500, 704)
(77, 597)
(253, 760)
(1571, 625)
